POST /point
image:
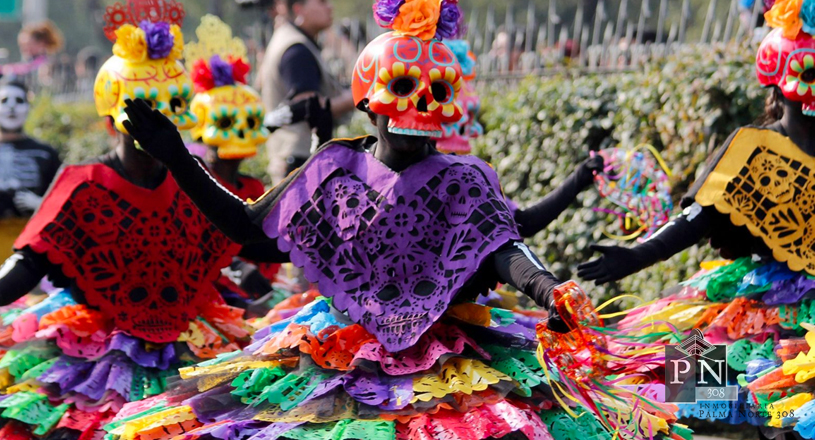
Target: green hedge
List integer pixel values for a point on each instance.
(539, 131)
(73, 128)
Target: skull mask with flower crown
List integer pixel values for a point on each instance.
(786, 57)
(147, 46)
(456, 137)
(413, 82)
(230, 113)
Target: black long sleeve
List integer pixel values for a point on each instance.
(20, 274)
(680, 233)
(225, 210)
(517, 266)
(534, 219)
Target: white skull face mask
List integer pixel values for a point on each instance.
(13, 107)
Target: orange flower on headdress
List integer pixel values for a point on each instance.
(131, 43)
(178, 43)
(786, 14)
(418, 18)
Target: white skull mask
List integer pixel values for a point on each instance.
(14, 107)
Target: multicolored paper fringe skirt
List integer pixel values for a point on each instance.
(760, 310)
(63, 366)
(317, 375)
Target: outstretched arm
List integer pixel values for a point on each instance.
(534, 219)
(517, 266)
(159, 137)
(618, 262)
(20, 274)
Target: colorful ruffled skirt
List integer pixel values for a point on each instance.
(317, 375)
(64, 367)
(760, 310)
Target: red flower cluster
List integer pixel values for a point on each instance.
(203, 79)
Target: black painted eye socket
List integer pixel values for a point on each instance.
(453, 189)
(252, 122)
(178, 105)
(441, 91)
(225, 123)
(403, 87)
(808, 76)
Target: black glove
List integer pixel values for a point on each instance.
(556, 322)
(616, 263)
(588, 168)
(155, 133)
(320, 118)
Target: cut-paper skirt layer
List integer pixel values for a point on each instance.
(317, 375)
(64, 366)
(760, 310)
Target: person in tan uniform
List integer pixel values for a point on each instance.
(293, 69)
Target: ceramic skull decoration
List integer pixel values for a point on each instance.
(415, 82)
(230, 113)
(790, 65)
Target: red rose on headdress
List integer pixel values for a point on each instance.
(202, 76)
(239, 69)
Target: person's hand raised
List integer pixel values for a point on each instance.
(155, 133)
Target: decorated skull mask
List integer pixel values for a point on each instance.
(456, 137)
(230, 113)
(231, 119)
(773, 177)
(147, 44)
(163, 83)
(790, 65)
(414, 82)
(14, 107)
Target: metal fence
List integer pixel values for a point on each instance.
(532, 41)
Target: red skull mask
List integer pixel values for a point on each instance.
(790, 65)
(413, 82)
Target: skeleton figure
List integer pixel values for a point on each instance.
(14, 108)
